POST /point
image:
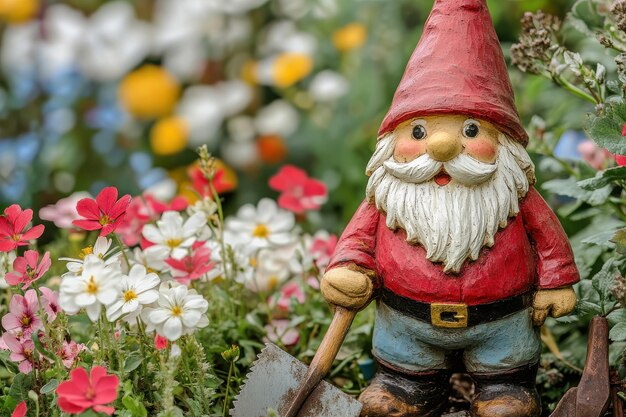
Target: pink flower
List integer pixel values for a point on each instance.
(278, 331)
(158, 207)
(594, 155)
(21, 318)
(105, 213)
(50, 302)
(160, 342)
(13, 232)
(63, 212)
(82, 392)
(299, 192)
(21, 352)
(193, 266)
(288, 293)
(70, 352)
(20, 410)
(25, 269)
(137, 216)
(322, 249)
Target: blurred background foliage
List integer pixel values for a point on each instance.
(261, 82)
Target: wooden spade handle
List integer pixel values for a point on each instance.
(323, 359)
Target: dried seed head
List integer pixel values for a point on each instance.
(537, 42)
(618, 9)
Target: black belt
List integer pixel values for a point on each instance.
(452, 315)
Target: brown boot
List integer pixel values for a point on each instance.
(509, 393)
(396, 394)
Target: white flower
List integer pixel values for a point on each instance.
(100, 249)
(97, 285)
(138, 289)
(271, 268)
(6, 266)
(328, 86)
(263, 226)
(152, 258)
(171, 233)
(114, 42)
(180, 311)
(283, 36)
(204, 205)
(240, 155)
(204, 108)
(278, 118)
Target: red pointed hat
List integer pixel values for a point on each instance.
(457, 68)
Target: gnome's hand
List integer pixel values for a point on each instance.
(556, 302)
(347, 288)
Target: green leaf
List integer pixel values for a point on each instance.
(619, 238)
(39, 347)
(617, 316)
(603, 239)
(604, 280)
(618, 332)
(20, 387)
(569, 187)
(606, 129)
(132, 362)
(604, 178)
(49, 387)
(135, 406)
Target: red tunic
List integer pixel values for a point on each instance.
(531, 252)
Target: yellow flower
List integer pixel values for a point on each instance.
(169, 136)
(289, 68)
(350, 37)
(149, 92)
(18, 11)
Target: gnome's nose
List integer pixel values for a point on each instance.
(443, 147)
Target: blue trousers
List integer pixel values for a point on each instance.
(416, 346)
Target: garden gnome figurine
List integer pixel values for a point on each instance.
(465, 258)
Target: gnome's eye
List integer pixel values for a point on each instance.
(471, 129)
(419, 132)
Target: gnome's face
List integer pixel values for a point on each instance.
(450, 182)
(444, 138)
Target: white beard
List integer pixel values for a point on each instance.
(453, 222)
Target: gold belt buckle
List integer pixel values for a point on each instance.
(449, 316)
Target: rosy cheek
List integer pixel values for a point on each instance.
(407, 150)
(482, 150)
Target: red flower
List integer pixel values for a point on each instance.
(225, 179)
(25, 269)
(160, 342)
(20, 410)
(299, 192)
(13, 231)
(105, 212)
(191, 267)
(82, 392)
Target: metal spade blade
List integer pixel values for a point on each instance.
(273, 382)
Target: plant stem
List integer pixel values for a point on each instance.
(122, 249)
(230, 373)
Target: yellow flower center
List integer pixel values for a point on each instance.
(350, 37)
(272, 282)
(92, 287)
(288, 69)
(104, 220)
(16, 237)
(173, 243)
(177, 311)
(169, 136)
(85, 251)
(25, 320)
(261, 231)
(129, 295)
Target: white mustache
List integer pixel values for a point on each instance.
(463, 169)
